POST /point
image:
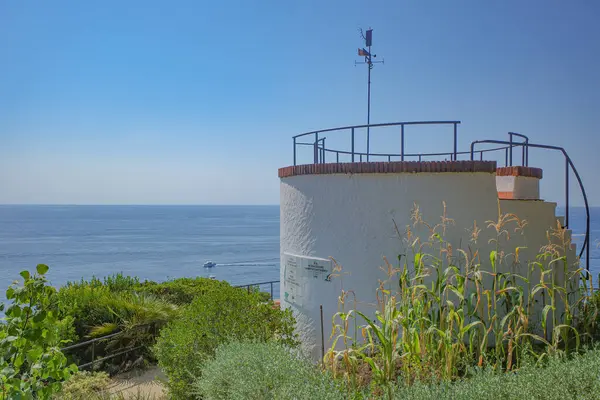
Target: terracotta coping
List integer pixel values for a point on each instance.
(389, 167)
(520, 171)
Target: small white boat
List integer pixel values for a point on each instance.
(212, 277)
(209, 264)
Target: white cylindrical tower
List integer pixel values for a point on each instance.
(356, 213)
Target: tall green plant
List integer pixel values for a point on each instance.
(31, 364)
(449, 310)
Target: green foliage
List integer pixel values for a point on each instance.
(99, 312)
(183, 290)
(139, 318)
(31, 364)
(215, 318)
(261, 371)
(123, 304)
(560, 379)
(445, 310)
(84, 385)
(119, 282)
(115, 304)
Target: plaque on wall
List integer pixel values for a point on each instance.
(300, 271)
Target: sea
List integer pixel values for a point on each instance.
(164, 242)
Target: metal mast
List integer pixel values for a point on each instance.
(368, 37)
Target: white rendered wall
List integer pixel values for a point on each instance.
(350, 217)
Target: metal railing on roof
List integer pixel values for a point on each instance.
(319, 142)
(321, 152)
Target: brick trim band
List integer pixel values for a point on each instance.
(393, 167)
(520, 171)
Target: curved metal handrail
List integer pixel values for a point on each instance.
(378, 126)
(352, 129)
(569, 164)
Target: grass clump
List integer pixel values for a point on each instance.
(261, 371)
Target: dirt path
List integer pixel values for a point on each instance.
(146, 383)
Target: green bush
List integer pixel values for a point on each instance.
(182, 290)
(260, 371)
(576, 378)
(216, 318)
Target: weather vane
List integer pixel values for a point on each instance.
(368, 38)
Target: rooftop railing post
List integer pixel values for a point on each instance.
(323, 151)
(523, 156)
(510, 150)
(271, 290)
(506, 157)
(402, 142)
(527, 152)
(567, 193)
(294, 150)
(352, 144)
(316, 149)
(368, 140)
(455, 141)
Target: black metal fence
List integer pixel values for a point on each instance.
(92, 344)
(320, 150)
(258, 286)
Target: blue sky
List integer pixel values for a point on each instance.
(195, 102)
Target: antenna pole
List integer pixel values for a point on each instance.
(368, 60)
(369, 105)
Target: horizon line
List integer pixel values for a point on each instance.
(136, 205)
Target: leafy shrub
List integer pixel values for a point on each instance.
(216, 318)
(65, 331)
(84, 302)
(561, 379)
(183, 290)
(84, 385)
(31, 364)
(260, 371)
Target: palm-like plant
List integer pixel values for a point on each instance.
(138, 317)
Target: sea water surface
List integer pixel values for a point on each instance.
(150, 242)
(163, 242)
